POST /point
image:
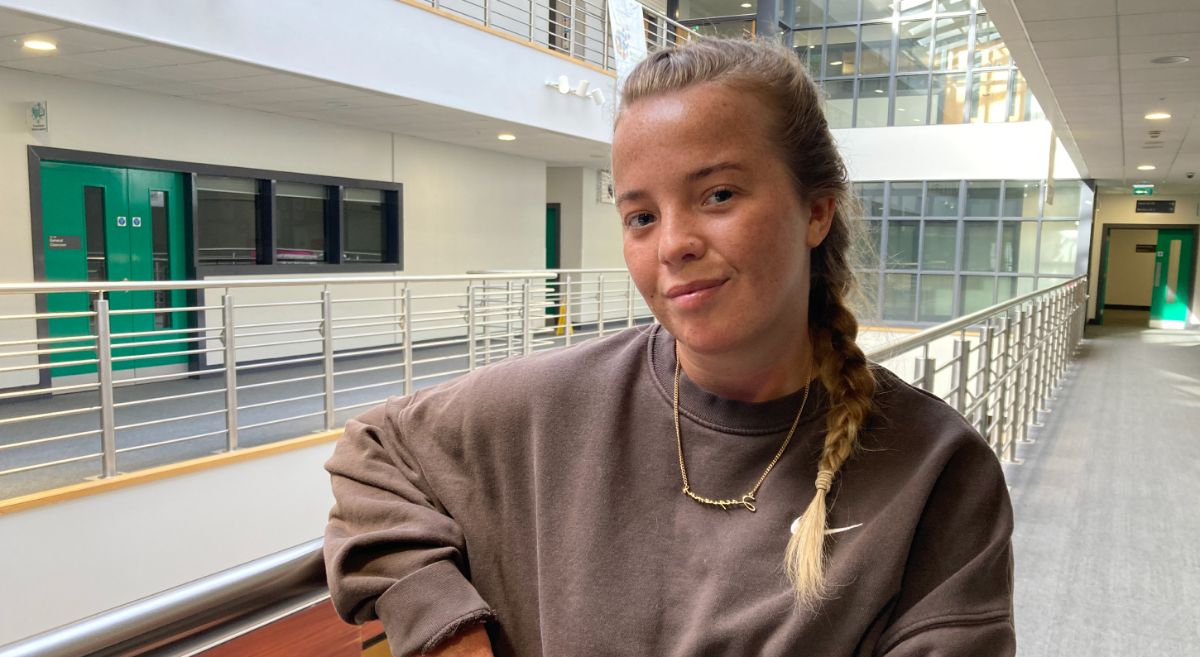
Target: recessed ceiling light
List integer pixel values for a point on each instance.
(505, 136)
(1146, 167)
(746, 5)
(1158, 116)
(1171, 59)
(879, 91)
(38, 44)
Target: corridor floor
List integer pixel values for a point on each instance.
(1107, 501)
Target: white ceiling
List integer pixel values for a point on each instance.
(1088, 62)
(94, 56)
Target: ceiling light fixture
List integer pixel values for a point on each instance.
(505, 136)
(1146, 167)
(1171, 59)
(746, 5)
(837, 63)
(1158, 116)
(38, 44)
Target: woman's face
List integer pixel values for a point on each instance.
(715, 235)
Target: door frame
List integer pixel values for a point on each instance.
(1102, 278)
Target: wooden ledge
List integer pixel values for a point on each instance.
(95, 487)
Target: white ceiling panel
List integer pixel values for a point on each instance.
(14, 24)
(1040, 10)
(214, 70)
(54, 66)
(1153, 6)
(142, 57)
(1160, 23)
(1076, 48)
(1144, 43)
(1073, 65)
(1101, 27)
(1105, 88)
(265, 81)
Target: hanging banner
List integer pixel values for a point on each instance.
(629, 35)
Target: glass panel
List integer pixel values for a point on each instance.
(872, 103)
(868, 252)
(839, 103)
(1021, 198)
(843, 11)
(983, 198)
(160, 238)
(300, 223)
(93, 217)
(1066, 200)
(688, 9)
(734, 29)
(808, 48)
(839, 51)
(1043, 283)
(977, 293)
(953, 5)
(1022, 105)
(365, 225)
(912, 98)
(941, 200)
(937, 298)
(914, 7)
(905, 200)
(1011, 287)
(872, 198)
(950, 45)
(989, 47)
(1059, 241)
(903, 242)
(876, 9)
(979, 246)
(1018, 244)
(949, 98)
(899, 297)
(989, 97)
(914, 43)
(876, 50)
(809, 12)
(939, 245)
(227, 220)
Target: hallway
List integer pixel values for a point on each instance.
(1106, 501)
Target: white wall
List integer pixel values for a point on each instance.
(992, 151)
(564, 185)
(1120, 209)
(601, 228)
(1130, 274)
(381, 45)
(76, 558)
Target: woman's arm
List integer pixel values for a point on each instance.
(957, 591)
(391, 551)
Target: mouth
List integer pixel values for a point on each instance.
(680, 291)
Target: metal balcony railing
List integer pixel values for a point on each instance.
(998, 367)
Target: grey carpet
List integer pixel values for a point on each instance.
(1107, 499)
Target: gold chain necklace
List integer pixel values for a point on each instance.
(747, 500)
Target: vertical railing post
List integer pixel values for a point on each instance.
(1044, 334)
(229, 342)
(471, 356)
(629, 301)
(1021, 398)
(527, 318)
(509, 338)
(1004, 419)
(987, 338)
(962, 373)
(926, 369)
(567, 298)
(487, 13)
(108, 427)
(327, 356)
(600, 306)
(408, 341)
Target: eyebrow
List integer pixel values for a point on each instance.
(698, 174)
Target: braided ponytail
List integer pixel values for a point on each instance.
(806, 146)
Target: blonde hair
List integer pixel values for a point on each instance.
(778, 78)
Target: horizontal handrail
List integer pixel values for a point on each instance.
(194, 616)
(50, 287)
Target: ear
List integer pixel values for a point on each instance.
(820, 220)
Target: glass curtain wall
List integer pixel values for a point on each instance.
(935, 250)
(909, 62)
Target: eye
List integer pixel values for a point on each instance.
(639, 220)
(718, 196)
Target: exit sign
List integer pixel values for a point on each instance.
(1143, 190)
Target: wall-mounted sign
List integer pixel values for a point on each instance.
(39, 116)
(1145, 248)
(604, 187)
(1157, 207)
(63, 241)
(1143, 190)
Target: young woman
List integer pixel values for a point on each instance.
(737, 480)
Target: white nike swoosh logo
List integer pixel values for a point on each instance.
(796, 525)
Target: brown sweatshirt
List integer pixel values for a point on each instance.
(543, 495)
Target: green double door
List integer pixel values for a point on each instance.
(1173, 264)
(115, 224)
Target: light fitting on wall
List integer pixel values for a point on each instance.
(563, 86)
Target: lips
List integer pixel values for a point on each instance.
(695, 286)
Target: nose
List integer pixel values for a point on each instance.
(679, 238)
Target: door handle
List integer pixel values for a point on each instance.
(1157, 273)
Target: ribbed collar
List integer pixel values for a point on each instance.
(720, 413)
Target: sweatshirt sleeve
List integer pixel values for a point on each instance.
(391, 551)
(957, 591)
